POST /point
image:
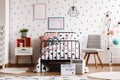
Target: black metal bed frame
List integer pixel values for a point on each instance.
(61, 60)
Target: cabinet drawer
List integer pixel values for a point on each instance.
(23, 51)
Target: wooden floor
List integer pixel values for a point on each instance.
(92, 69)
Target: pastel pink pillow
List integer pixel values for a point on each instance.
(44, 37)
(52, 35)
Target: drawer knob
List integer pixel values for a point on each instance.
(23, 49)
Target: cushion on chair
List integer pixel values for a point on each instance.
(91, 50)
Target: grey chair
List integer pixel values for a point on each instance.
(93, 47)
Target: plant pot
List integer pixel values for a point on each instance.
(23, 34)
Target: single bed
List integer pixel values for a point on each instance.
(57, 48)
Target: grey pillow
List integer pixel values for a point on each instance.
(50, 41)
(53, 41)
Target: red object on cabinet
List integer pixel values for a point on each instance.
(26, 42)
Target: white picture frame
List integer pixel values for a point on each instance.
(55, 23)
(39, 11)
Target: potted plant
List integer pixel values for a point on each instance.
(24, 32)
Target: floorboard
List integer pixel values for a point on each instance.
(92, 69)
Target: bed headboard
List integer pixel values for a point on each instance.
(60, 32)
(63, 35)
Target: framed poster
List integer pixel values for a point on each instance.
(39, 11)
(55, 23)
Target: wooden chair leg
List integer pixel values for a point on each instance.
(87, 58)
(95, 60)
(99, 59)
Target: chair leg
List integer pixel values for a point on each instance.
(95, 60)
(99, 59)
(85, 56)
(87, 59)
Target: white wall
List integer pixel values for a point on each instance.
(91, 20)
(4, 21)
(2, 12)
(7, 31)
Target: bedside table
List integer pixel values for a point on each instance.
(23, 52)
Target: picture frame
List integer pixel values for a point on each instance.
(55, 23)
(39, 11)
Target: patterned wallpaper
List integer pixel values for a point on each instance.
(91, 20)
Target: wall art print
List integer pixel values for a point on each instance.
(55, 23)
(39, 11)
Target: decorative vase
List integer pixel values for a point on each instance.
(23, 34)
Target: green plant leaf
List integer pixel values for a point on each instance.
(24, 30)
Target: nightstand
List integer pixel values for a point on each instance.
(23, 49)
(23, 52)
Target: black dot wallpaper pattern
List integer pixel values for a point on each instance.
(91, 20)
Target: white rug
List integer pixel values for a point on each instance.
(106, 75)
(43, 78)
(13, 70)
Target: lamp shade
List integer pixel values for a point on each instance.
(73, 12)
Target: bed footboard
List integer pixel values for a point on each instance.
(60, 52)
